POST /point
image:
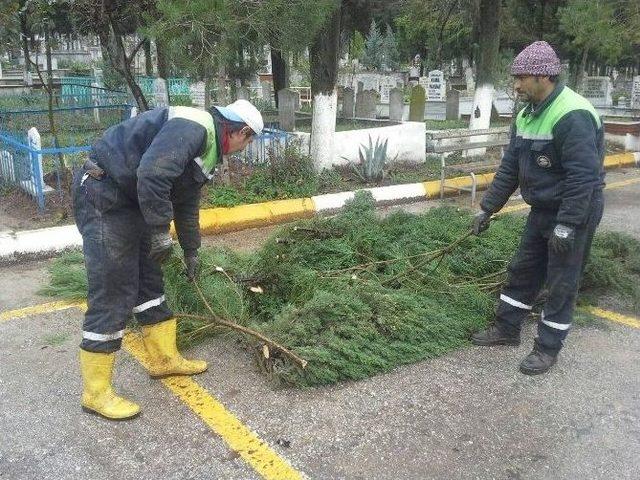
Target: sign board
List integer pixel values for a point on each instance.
(436, 87)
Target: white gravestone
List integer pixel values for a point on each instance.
(386, 84)
(635, 92)
(598, 91)
(35, 182)
(436, 88)
(161, 92)
(197, 92)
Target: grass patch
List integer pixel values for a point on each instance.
(354, 295)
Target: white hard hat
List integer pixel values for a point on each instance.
(243, 111)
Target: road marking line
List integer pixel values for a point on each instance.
(622, 183)
(39, 309)
(614, 317)
(236, 435)
(523, 206)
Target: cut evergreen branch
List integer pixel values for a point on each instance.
(355, 295)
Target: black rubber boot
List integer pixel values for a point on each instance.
(537, 362)
(493, 335)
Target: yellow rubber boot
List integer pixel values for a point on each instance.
(97, 393)
(164, 358)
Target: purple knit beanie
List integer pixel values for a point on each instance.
(537, 59)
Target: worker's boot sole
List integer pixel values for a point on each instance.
(113, 419)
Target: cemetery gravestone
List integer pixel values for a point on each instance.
(416, 106)
(366, 103)
(197, 91)
(436, 86)
(348, 102)
(161, 93)
(267, 94)
(635, 92)
(288, 102)
(453, 105)
(396, 104)
(598, 91)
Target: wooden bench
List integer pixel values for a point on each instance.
(464, 141)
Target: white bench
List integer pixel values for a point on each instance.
(438, 143)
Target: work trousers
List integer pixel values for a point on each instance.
(535, 266)
(122, 279)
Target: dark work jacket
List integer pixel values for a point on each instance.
(558, 165)
(152, 162)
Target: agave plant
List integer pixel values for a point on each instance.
(372, 161)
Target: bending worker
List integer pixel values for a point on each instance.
(143, 173)
(556, 157)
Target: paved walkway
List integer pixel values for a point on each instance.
(468, 415)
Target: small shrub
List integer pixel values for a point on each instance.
(223, 196)
(372, 161)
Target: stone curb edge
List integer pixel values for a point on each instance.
(16, 247)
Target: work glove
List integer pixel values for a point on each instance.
(481, 222)
(192, 262)
(161, 245)
(562, 239)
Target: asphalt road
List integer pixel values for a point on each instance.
(467, 415)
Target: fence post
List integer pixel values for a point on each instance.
(37, 179)
(96, 101)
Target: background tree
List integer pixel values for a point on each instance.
(436, 29)
(112, 22)
(205, 38)
(592, 28)
(323, 58)
(488, 40)
(373, 57)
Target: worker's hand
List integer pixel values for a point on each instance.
(481, 222)
(192, 262)
(562, 239)
(161, 245)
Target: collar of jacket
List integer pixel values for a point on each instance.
(219, 132)
(536, 110)
(212, 152)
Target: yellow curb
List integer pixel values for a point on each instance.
(216, 220)
(432, 188)
(619, 160)
(38, 309)
(614, 317)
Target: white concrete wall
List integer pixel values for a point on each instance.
(406, 143)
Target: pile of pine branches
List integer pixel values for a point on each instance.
(330, 299)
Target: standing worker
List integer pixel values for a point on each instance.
(143, 173)
(556, 157)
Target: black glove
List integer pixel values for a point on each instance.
(562, 239)
(161, 245)
(193, 264)
(481, 222)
